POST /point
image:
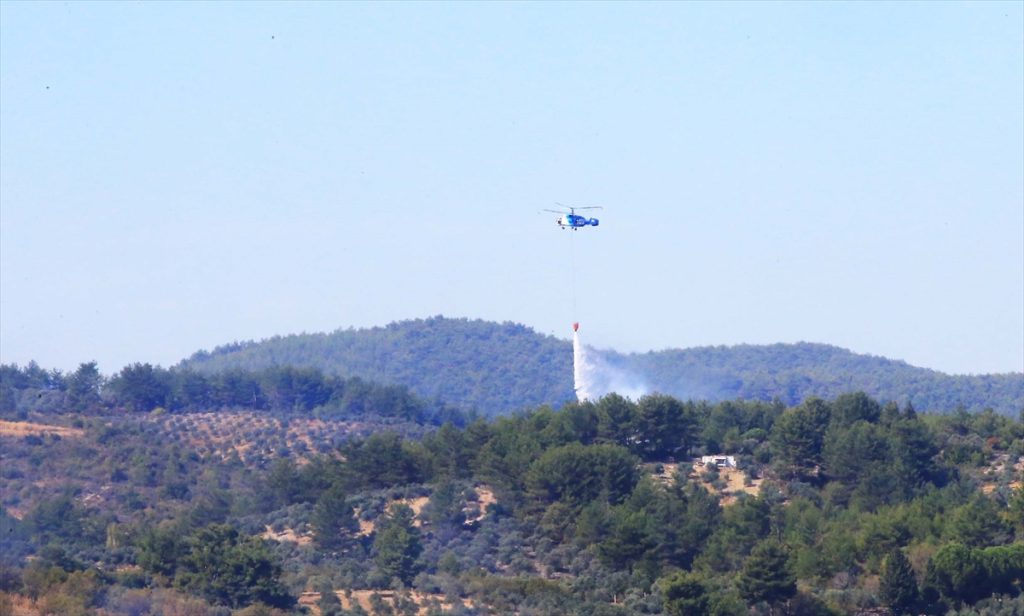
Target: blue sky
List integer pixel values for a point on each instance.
(178, 176)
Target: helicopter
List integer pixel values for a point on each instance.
(572, 220)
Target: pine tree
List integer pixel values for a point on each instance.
(333, 520)
(83, 392)
(329, 603)
(767, 575)
(898, 588)
(397, 545)
(224, 567)
(664, 427)
(797, 438)
(957, 573)
(685, 595)
(978, 523)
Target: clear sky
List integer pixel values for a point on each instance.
(178, 176)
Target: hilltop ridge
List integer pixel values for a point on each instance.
(497, 368)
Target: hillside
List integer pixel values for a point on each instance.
(793, 372)
(496, 368)
(491, 367)
(604, 509)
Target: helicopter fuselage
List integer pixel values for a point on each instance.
(575, 221)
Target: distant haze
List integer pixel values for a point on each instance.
(175, 176)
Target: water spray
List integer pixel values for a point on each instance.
(580, 368)
(593, 376)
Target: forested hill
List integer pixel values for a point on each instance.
(793, 372)
(490, 367)
(495, 368)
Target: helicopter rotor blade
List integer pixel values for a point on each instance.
(573, 208)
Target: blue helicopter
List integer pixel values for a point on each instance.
(572, 220)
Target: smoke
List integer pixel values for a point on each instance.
(581, 370)
(594, 377)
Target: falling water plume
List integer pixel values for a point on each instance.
(594, 376)
(580, 368)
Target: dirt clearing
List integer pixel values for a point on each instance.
(25, 428)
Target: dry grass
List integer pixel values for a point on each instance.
(474, 510)
(998, 467)
(734, 479)
(21, 606)
(25, 428)
(362, 597)
(366, 527)
(667, 474)
(287, 534)
(734, 483)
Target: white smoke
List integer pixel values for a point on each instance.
(581, 370)
(594, 377)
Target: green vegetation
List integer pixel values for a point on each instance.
(838, 506)
(396, 546)
(141, 388)
(767, 576)
(333, 521)
(497, 368)
(898, 584)
(215, 563)
(472, 364)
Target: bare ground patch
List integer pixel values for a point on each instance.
(22, 606)
(423, 600)
(735, 483)
(995, 473)
(663, 472)
(474, 510)
(287, 534)
(25, 428)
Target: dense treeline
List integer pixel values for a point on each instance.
(794, 372)
(498, 368)
(472, 364)
(849, 505)
(143, 388)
